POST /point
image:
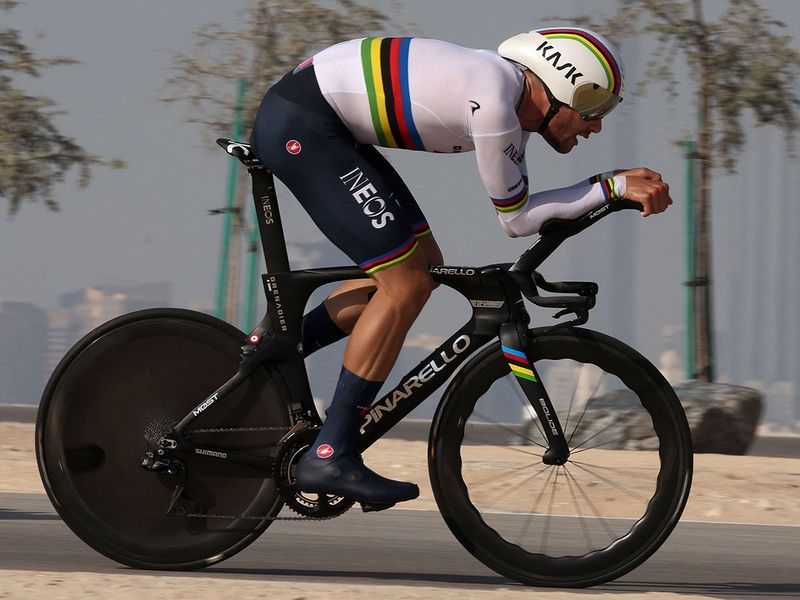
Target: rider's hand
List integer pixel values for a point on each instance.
(643, 172)
(647, 188)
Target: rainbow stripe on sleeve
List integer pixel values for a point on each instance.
(519, 363)
(513, 203)
(385, 64)
(609, 189)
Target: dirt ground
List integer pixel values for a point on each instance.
(735, 489)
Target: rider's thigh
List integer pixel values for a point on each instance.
(350, 199)
(431, 249)
(401, 195)
(408, 283)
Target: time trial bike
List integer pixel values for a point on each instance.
(558, 456)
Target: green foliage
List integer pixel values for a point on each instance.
(276, 36)
(739, 61)
(34, 155)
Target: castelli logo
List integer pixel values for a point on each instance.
(325, 451)
(293, 147)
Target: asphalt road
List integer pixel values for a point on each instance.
(416, 548)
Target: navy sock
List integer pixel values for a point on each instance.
(319, 330)
(340, 431)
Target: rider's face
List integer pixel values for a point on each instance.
(563, 131)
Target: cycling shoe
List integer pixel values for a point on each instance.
(347, 476)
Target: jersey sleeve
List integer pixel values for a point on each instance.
(563, 203)
(523, 165)
(500, 152)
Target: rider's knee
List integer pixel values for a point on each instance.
(415, 289)
(408, 289)
(432, 251)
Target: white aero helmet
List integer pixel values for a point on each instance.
(579, 68)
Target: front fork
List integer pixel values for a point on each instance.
(514, 341)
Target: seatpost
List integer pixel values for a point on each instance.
(268, 216)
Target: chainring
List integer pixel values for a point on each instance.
(307, 504)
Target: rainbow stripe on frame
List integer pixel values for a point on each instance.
(385, 64)
(519, 363)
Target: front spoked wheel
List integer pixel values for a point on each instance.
(590, 520)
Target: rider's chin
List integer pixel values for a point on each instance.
(565, 146)
(557, 144)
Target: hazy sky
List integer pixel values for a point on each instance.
(149, 222)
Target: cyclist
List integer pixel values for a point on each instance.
(317, 129)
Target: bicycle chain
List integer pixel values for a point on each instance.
(249, 517)
(256, 517)
(237, 429)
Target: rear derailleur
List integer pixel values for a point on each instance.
(173, 467)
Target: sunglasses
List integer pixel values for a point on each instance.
(589, 100)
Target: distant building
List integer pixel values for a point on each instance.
(23, 344)
(81, 311)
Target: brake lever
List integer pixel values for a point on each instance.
(566, 311)
(582, 318)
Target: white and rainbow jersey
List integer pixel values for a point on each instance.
(434, 96)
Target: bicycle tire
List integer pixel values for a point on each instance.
(118, 390)
(558, 548)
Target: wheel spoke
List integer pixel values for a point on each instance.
(508, 491)
(526, 404)
(632, 470)
(591, 504)
(586, 406)
(488, 442)
(549, 516)
(572, 398)
(533, 512)
(613, 484)
(507, 428)
(581, 518)
(494, 477)
(577, 448)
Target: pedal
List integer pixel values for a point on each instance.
(367, 507)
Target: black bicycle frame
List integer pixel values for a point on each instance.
(495, 293)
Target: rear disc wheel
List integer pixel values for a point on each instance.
(113, 396)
